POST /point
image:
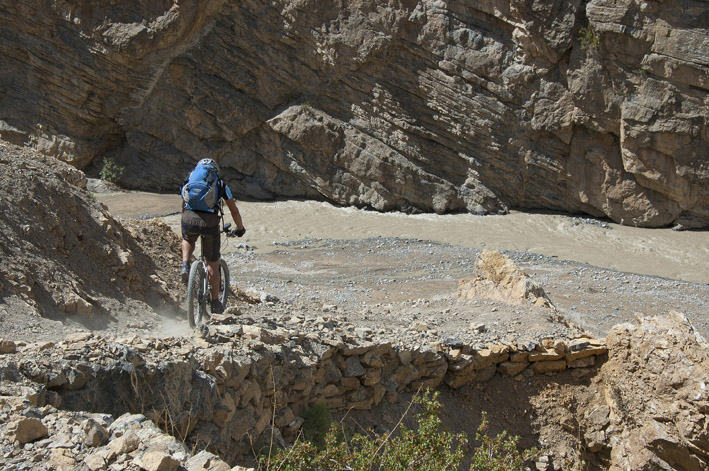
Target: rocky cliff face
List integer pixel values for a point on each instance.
(597, 106)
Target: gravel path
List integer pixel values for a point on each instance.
(391, 285)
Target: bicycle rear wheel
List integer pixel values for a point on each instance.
(223, 282)
(197, 293)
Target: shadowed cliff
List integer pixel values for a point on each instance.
(597, 107)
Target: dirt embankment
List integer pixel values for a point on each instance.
(67, 263)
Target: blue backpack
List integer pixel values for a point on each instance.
(201, 190)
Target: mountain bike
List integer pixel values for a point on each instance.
(198, 291)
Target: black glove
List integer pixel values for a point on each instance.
(239, 232)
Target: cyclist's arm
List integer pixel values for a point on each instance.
(235, 215)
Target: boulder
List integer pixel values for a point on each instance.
(498, 277)
(26, 430)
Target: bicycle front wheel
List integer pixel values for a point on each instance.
(223, 282)
(197, 293)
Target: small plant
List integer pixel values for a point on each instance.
(305, 107)
(111, 171)
(589, 38)
(317, 424)
(571, 466)
(425, 449)
(428, 448)
(166, 421)
(499, 453)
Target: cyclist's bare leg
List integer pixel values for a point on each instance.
(187, 250)
(213, 275)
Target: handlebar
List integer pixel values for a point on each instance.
(232, 232)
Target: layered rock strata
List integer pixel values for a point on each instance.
(595, 106)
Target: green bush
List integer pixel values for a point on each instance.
(317, 424)
(111, 171)
(425, 449)
(499, 453)
(589, 38)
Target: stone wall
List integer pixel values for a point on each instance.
(595, 106)
(224, 389)
(636, 401)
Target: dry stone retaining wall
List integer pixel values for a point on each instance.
(223, 389)
(94, 403)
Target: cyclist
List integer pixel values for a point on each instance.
(205, 224)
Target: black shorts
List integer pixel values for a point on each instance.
(206, 225)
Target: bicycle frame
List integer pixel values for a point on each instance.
(198, 288)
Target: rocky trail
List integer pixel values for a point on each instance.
(427, 179)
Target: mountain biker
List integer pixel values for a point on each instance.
(204, 223)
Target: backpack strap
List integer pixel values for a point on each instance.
(221, 189)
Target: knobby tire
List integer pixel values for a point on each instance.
(196, 295)
(223, 282)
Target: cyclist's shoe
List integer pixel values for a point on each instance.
(217, 307)
(185, 272)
